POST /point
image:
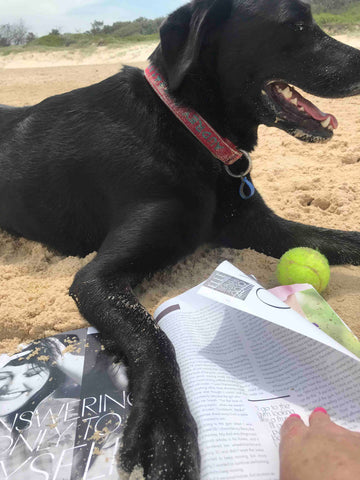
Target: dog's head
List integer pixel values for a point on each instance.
(253, 53)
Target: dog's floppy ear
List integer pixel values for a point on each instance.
(183, 33)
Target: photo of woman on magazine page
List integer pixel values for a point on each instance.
(39, 394)
(63, 405)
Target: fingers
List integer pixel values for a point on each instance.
(292, 426)
(319, 417)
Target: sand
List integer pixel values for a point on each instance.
(315, 184)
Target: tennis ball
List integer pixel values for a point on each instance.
(304, 265)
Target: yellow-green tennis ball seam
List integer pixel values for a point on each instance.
(304, 265)
(299, 273)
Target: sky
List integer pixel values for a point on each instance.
(41, 16)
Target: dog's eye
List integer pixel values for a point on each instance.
(299, 27)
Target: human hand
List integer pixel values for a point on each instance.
(322, 451)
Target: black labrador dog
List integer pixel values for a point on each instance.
(110, 168)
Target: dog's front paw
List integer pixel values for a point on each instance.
(163, 442)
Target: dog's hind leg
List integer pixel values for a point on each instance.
(252, 224)
(160, 434)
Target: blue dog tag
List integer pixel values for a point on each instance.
(246, 183)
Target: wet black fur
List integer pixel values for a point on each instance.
(109, 168)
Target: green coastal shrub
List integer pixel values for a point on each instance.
(348, 16)
(50, 41)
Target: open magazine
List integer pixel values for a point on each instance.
(247, 361)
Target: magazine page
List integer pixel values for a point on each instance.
(230, 286)
(63, 404)
(304, 299)
(243, 376)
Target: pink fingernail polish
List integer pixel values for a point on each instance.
(294, 415)
(320, 409)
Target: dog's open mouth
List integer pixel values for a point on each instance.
(297, 115)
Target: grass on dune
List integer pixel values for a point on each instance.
(76, 41)
(348, 17)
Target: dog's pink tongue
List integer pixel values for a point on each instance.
(314, 112)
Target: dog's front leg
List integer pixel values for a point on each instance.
(252, 224)
(160, 434)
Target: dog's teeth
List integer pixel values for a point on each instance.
(330, 127)
(263, 92)
(302, 109)
(287, 93)
(326, 122)
(294, 101)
